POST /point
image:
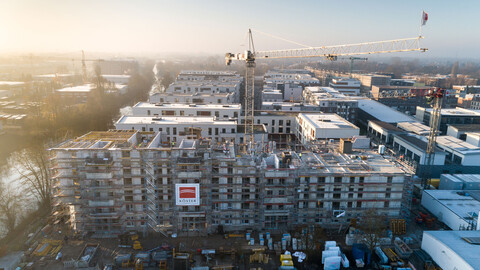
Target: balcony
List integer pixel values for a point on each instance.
(98, 161)
(189, 174)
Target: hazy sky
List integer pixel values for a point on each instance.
(219, 26)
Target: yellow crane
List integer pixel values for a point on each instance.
(329, 52)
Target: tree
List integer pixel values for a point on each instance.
(167, 80)
(34, 171)
(374, 227)
(10, 199)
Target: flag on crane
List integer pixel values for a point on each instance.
(424, 17)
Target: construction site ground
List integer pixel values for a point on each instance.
(232, 251)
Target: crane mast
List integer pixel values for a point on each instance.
(329, 52)
(436, 97)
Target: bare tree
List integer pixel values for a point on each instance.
(374, 227)
(10, 204)
(33, 167)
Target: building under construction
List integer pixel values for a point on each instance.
(111, 182)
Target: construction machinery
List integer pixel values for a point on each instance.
(328, 52)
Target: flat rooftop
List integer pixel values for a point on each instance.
(471, 127)
(415, 127)
(419, 142)
(206, 83)
(338, 163)
(187, 106)
(453, 240)
(101, 140)
(9, 83)
(172, 120)
(457, 112)
(383, 112)
(327, 121)
(456, 144)
(86, 88)
(461, 202)
(386, 126)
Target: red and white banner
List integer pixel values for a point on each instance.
(424, 17)
(187, 194)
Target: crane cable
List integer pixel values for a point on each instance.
(280, 38)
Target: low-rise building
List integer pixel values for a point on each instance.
(271, 95)
(311, 127)
(415, 128)
(330, 100)
(459, 152)
(383, 132)
(455, 208)
(76, 94)
(453, 249)
(346, 86)
(460, 131)
(369, 109)
(454, 116)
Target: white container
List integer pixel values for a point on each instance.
(381, 149)
(252, 241)
(260, 236)
(294, 243)
(247, 235)
(330, 244)
(284, 244)
(262, 242)
(267, 235)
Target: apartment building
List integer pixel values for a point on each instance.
(220, 112)
(194, 98)
(177, 128)
(346, 86)
(330, 100)
(107, 183)
(311, 127)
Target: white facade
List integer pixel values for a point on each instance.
(205, 87)
(289, 107)
(195, 98)
(347, 86)
(220, 112)
(175, 129)
(292, 92)
(272, 96)
(473, 138)
(450, 251)
(414, 148)
(120, 79)
(283, 124)
(312, 127)
(458, 151)
(451, 207)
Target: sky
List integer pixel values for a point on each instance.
(220, 26)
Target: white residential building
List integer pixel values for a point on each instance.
(312, 127)
(346, 86)
(220, 112)
(194, 98)
(175, 129)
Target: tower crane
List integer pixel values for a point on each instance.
(352, 59)
(329, 52)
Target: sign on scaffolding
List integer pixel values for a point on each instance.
(187, 194)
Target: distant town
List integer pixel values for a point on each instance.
(151, 165)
